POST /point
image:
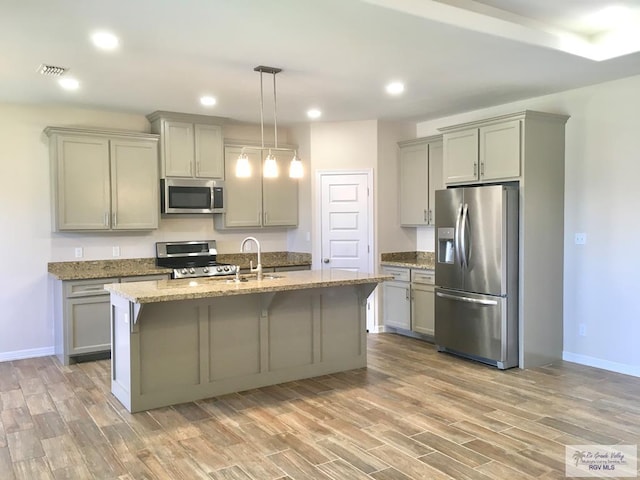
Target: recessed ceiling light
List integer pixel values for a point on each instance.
(69, 83)
(207, 101)
(105, 40)
(395, 88)
(314, 113)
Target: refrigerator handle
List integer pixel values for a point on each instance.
(456, 236)
(463, 236)
(467, 299)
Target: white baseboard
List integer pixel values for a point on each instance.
(604, 364)
(22, 354)
(378, 329)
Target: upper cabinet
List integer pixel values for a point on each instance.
(103, 180)
(483, 153)
(191, 146)
(420, 166)
(257, 201)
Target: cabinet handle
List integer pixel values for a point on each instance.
(425, 215)
(482, 169)
(475, 169)
(407, 293)
(115, 219)
(106, 219)
(198, 168)
(266, 218)
(430, 216)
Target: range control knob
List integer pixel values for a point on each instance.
(192, 270)
(219, 269)
(183, 271)
(226, 269)
(205, 269)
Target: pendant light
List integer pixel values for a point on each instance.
(270, 168)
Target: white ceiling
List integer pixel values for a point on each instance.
(337, 55)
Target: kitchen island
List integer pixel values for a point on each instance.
(176, 341)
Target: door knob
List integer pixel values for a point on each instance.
(326, 260)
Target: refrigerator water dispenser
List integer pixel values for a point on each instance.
(445, 245)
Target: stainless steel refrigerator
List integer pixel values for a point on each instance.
(476, 312)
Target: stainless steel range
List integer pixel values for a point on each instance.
(192, 259)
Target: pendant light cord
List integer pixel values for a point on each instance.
(275, 115)
(261, 111)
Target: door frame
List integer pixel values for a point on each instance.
(316, 256)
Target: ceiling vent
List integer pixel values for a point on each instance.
(51, 70)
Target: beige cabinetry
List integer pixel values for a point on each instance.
(485, 153)
(191, 146)
(256, 201)
(422, 302)
(527, 147)
(397, 298)
(420, 172)
(409, 302)
(82, 322)
(103, 180)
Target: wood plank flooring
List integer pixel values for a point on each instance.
(413, 413)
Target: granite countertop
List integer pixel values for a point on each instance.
(269, 259)
(90, 269)
(132, 267)
(190, 289)
(422, 260)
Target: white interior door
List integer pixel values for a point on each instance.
(345, 222)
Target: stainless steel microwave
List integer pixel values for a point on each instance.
(191, 195)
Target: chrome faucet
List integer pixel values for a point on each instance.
(258, 269)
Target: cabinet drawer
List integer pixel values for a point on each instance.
(85, 288)
(427, 277)
(399, 274)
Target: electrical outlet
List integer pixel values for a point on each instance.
(580, 238)
(582, 330)
(78, 252)
(308, 236)
(116, 251)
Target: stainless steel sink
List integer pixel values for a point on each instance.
(252, 277)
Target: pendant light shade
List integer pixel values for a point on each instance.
(295, 167)
(270, 166)
(243, 168)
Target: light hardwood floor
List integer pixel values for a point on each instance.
(412, 414)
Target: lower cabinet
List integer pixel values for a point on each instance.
(397, 298)
(82, 318)
(422, 302)
(409, 303)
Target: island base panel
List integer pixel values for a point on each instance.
(174, 352)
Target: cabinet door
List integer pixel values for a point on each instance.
(397, 306)
(177, 149)
(436, 181)
(209, 151)
(280, 196)
(244, 195)
(500, 151)
(89, 327)
(134, 185)
(83, 191)
(422, 309)
(414, 185)
(461, 156)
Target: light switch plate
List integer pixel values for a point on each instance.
(580, 238)
(78, 252)
(116, 251)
